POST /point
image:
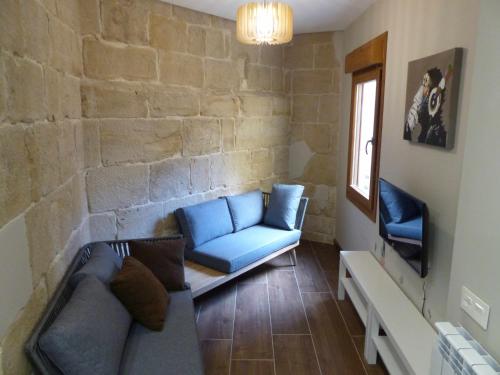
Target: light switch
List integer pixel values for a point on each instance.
(475, 307)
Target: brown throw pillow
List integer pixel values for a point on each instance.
(141, 293)
(164, 258)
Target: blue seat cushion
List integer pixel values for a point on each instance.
(237, 250)
(204, 222)
(407, 229)
(173, 350)
(246, 209)
(283, 205)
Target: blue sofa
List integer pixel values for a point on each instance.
(228, 234)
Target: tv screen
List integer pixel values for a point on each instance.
(403, 222)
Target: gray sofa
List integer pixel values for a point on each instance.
(174, 350)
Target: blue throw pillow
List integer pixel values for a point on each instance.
(399, 207)
(246, 209)
(204, 222)
(89, 334)
(283, 205)
(104, 263)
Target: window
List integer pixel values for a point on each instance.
(367, 67)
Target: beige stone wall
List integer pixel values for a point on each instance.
(41, 159)
(176, 111)
(313, 79)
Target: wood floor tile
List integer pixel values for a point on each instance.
(217, 314)
(216, 356)
(283, 262)
(309, 274)
(336, 352)
(255, 276)
(294, 354)
(252, 327)
(328, 259)
(379, 368)
(252, 368)
(351, 317)
(287, 313)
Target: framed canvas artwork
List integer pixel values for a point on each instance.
(432, 90)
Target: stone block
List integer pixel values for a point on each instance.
(249, 134)
(42, 141)
(196, 40)
(258, 77)
(220, 75)
(261, 164)
(141, 222)
(132, 141)
(3, 92)
(229, 169)
(11, 26)
(280, 160)
(125, 21)
(71, 101)
(69, 12)
(127, 62)
(324, 56)
(117, 187)
(67, 150)
(312, 82)
(319, 224)
(246, 52)
(191, 16)
(281, 106)
(89, 17)
(228, 135)
(201, 137)
(14, 360)
(223, 23)
(321, 170)
(168, 34)
(305, 108)
(79, 204)
(35, 24)
(271, 55)
(113, 100)
(299, 56)
(159, 8)
(103, 227)
(200, 175)
(277, 80)
(219, 105)
(256, 105)
(329, 108)
(91, 144)
(319, 137)
(173, 101)
(65, 52)
(15, 179)
(53, 93)
(181, 69)
(217, 42)
(313, 38)
(169, 179)
(26, 90)
(276, 131)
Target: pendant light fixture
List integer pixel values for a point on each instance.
(266, 22)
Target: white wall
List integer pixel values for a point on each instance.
(476, 254)
(417, 28)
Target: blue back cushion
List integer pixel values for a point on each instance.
(399, 207)
(283, 205)
(246, 209)
(204, 222)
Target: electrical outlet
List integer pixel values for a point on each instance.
(475, 307)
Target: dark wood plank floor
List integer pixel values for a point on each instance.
(280, 319)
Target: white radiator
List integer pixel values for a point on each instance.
(457, 353)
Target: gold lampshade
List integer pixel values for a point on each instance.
(264, 23)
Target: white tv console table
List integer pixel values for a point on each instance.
(407, 348)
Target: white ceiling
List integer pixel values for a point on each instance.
(309, 15)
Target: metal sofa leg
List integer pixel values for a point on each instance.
(294, 257)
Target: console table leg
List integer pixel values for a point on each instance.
(372, 330)
(342, 274)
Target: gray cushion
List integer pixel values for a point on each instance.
(174, 350)
(89, 334)
(104, 263)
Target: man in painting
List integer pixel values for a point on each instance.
(426, 110)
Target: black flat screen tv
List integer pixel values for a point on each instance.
(403, 224)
